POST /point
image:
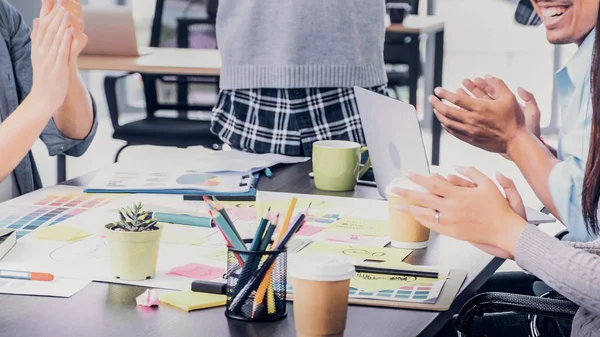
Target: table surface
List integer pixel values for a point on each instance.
(207, 62)
(102, 310)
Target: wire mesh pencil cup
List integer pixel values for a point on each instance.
(253, 295)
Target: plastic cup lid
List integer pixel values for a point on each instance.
(403, 182)
(322, 267)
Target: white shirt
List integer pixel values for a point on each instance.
(566, 178)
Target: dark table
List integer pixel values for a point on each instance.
(103, 310)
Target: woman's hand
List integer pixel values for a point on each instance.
(479, 213)
(51, 43)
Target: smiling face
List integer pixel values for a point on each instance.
(567, 21)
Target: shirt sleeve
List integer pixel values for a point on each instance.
(566, 184)
(570, 271)
(20, 50)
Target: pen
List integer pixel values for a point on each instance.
(268, 173)
(240, 198)
(24, 275)
(182, 219)
(397, 272)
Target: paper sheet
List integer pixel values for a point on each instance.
(60, 233)
(359, 254)
(374, 282)
(59, 287)
(359, 226)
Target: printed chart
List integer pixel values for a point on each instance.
(49, 207)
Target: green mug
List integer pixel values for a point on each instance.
(336, 164)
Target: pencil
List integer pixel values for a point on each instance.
(286, 221)
(223, 212)
(397, 272)
(237, 256)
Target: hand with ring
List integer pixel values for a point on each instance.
(474, 211)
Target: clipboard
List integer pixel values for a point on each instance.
(455, 280)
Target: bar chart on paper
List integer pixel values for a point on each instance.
(49, 207)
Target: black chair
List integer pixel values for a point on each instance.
(543, 311)
(402, 57)
(176, 24)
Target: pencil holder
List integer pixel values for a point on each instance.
(256, 285)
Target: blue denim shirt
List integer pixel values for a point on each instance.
(16, 77)
(566, 178)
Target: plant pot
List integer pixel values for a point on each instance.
(133, 255)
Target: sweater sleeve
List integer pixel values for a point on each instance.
(572, 272)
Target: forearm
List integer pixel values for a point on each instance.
(536, 162)
(75, 117)
(19, 132)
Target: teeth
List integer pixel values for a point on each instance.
(550, 12)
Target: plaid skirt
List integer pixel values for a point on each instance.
(287, 121)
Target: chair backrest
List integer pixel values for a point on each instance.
(396, 48)
(413, 3)
(181, 24)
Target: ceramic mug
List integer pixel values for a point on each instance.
(336, 164)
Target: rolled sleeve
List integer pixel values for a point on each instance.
(566, 184)
(57, 143)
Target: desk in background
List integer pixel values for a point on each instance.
(208, 63)
(102, 310)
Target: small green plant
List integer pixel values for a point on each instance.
(135, 220)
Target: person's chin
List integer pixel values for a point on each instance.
(559, 37)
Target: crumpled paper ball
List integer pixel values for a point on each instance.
(148, 299)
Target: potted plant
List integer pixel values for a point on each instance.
(134, 241)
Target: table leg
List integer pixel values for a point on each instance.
(436, 127)
(61, 168)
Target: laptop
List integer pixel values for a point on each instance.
(393, 135)
(110, 31)
(395, 142)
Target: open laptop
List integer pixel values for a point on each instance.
(110, 31)
(393, 134)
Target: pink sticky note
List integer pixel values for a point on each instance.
(198, 272)
(307, 230)
(242, 213)
(148, 299)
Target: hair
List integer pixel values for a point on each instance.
(591, 180)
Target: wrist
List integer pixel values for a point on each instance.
(508, 239)
(516, 141)
(41, 101)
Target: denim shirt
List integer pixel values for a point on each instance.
(16, 77)
(566, 178)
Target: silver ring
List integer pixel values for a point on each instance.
(437, 217)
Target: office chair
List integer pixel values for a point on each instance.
(402, 57)
(170, 28)
(543, 311)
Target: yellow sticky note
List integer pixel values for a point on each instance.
(60, 233)
(368, 255)
(374, 282)
(359, 226)
(190, 300)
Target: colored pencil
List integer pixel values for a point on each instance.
(223, 212)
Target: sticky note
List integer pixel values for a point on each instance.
(190, 300)
(198, 272)
(308, 230)
(60, 233)
(359, 226)
(358, 254)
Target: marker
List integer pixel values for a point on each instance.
(182, 219)
(397, 272)
(24, 275)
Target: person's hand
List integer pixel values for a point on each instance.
(76, 22)
(51, 41)
(481, 89)
(485, 123)
(479, 214)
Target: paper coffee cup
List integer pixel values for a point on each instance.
(405, 231)
(321, 286)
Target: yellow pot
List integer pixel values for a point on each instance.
(133, 255)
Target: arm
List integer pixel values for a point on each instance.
(74, 124)
(570, 271)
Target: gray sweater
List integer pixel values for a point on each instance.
(572, 270)
(301, 43)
